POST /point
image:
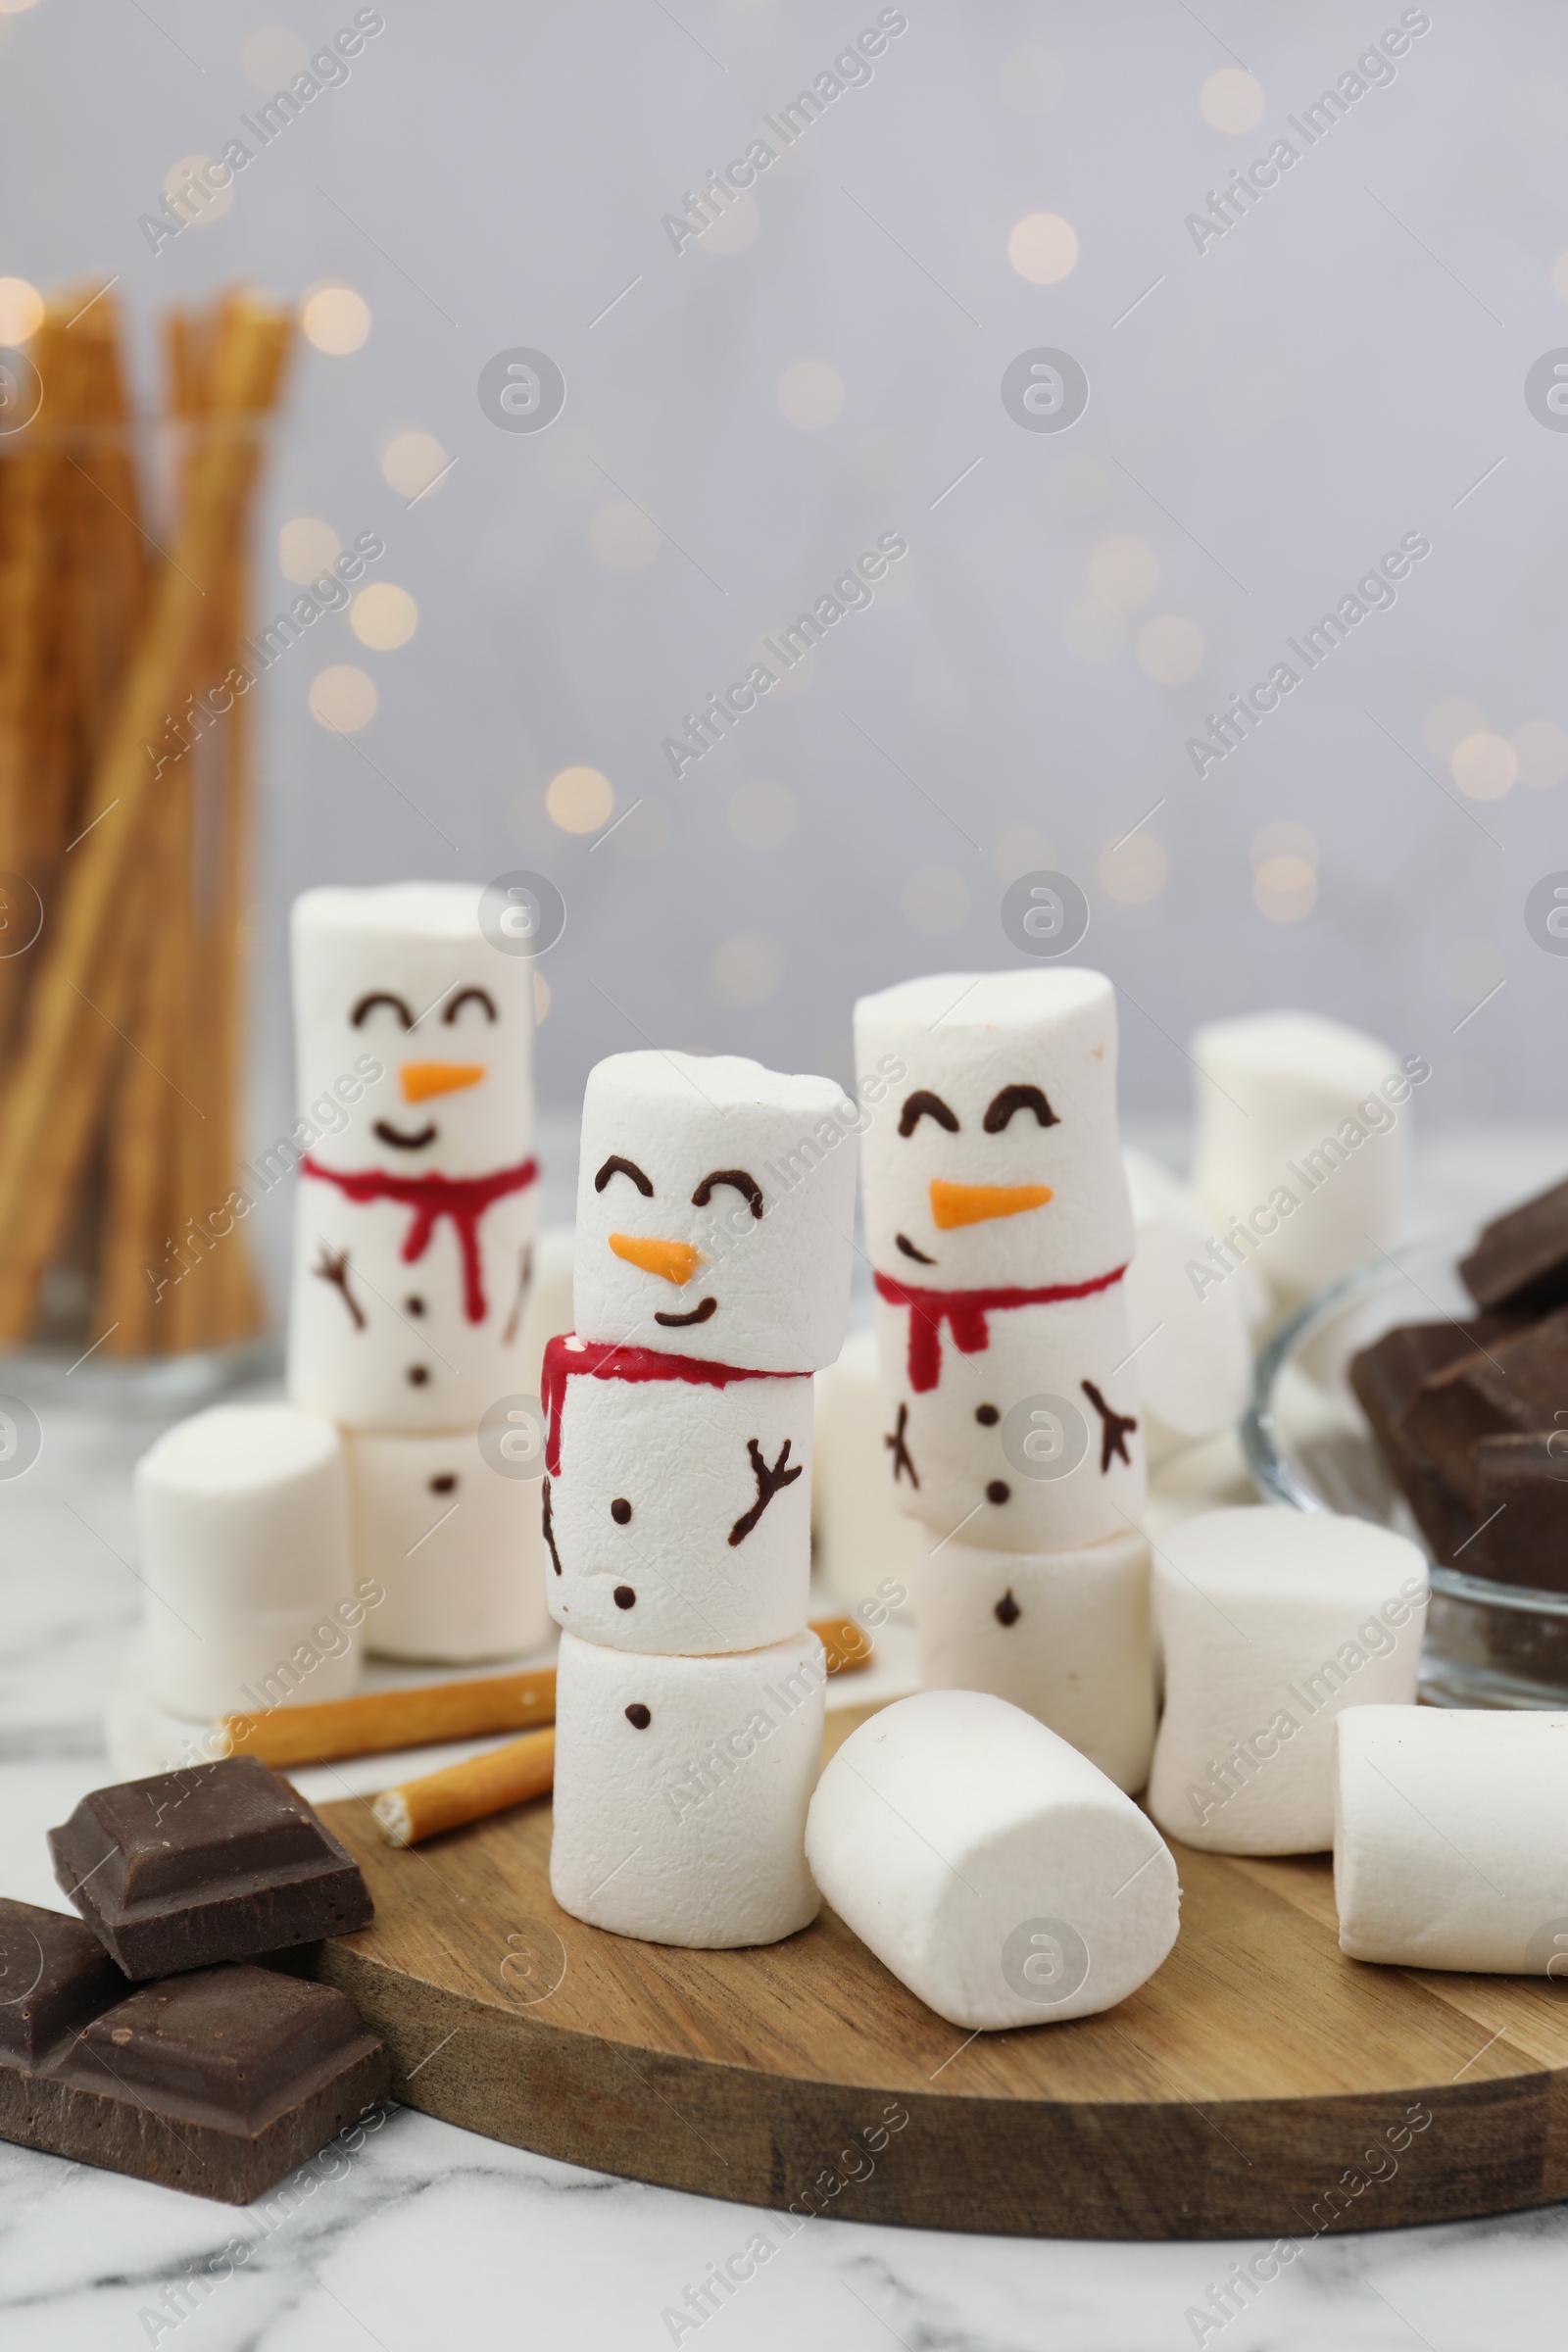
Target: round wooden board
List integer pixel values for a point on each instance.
(1260, 2083)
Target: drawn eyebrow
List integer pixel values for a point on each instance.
(476, 996)
(1019, 1097)
(614, 1166)
(923, 1106)
(741, 1181)
(380, 996)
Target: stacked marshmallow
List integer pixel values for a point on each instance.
(1000, 1230)
(414, 1230)
(715, 1207)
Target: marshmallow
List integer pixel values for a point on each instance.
(1272, 1622)
(681, 1788)
(995, 1155)
(860, 1538)
(992, 1868)
(549, 1308)
(1062, 1635)
(1030, 1439)
(715, 1209)
(1448, 1849)
(416, 1198)
(242, 1519)
(679, 1506)
(455, 1546)
(1299, 1136)
(1190, 1340)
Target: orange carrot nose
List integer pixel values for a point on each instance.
(419, 1080)
(676, 1262)
(972, 1204)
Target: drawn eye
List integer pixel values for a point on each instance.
(924, 1106)
(614, 1166)
(368, 1005)
(471, 995)
(1019, 1097)
(744, 1184)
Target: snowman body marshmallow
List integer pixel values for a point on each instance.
(417, 1206)
(1000, 1229)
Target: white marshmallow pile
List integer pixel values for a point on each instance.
(715, 1209)
(1273, 1623)
(1448, 1845)
(1302, 1148)
(992, 1868)
(243, 1528)
(1000, 1230)
(415, 1221)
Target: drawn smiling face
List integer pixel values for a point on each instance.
(957, 1207)
(711, 1220)
(993, 1160)
(401, 979)
(677, 1262)
(384, 1015)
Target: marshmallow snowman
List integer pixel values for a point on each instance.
(416, 1200)
(1000, 1230)
(679, 1499)
(715, 1210)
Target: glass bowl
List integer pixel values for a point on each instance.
(1309, 1445)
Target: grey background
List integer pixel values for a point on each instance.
(1339, 370)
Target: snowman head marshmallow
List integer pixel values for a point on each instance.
(995, 1161)
(716, 1206)
(400, 980)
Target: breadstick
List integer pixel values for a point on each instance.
(485, 1785)
(379, 1721)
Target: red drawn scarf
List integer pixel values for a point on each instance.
(568, 1354)
(462, 1198)
(966, 1311)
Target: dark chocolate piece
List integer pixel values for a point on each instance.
(218, 2083)
(1386, 1378)
(213, 1862)
(1503, 1386)
(1523, 1539)
(1007, 1610)
(1521, 1260)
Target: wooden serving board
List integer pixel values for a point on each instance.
(1245, 2091)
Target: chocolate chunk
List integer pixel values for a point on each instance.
(218, 2083)
(1521, 1260)
(1501, 1387)
(1523, 1483)
(213, 1862)
(1386, 1378)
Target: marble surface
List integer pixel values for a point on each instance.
(429, 2236)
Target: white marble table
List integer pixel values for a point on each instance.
(430, 2237)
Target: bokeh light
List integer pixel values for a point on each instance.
(1123, 573)
(810, 395)
(581, 800)
(934, 900)
(748, 969)
(623, 537)
(1132, 870)
(343, 698)
(1044, 248)
(1230, 100)
(412, 461)
(1483, 766)
(1170, 649)
(20, 309)
(306, 548)
(383, 616)
(335, 320)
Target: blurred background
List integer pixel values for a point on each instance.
(716, 404)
